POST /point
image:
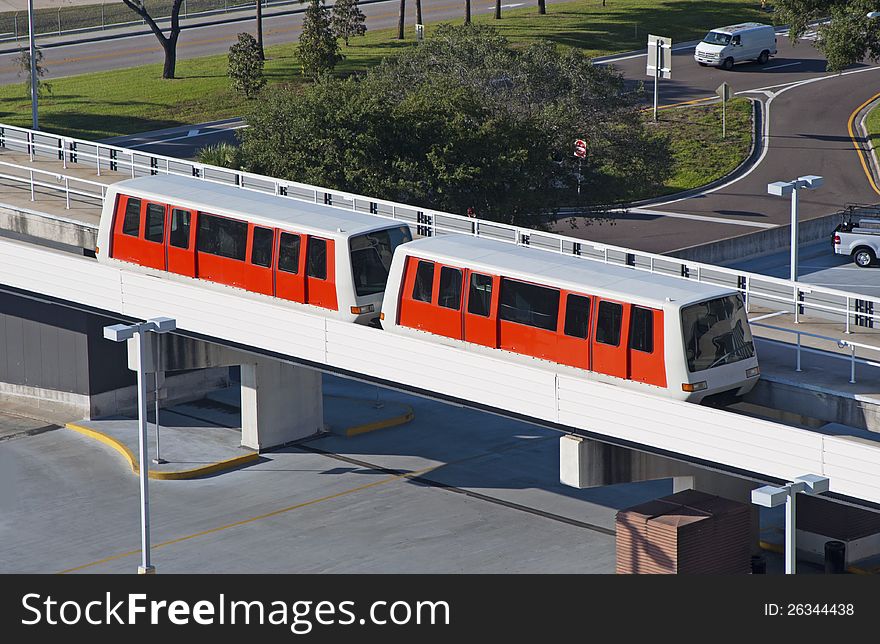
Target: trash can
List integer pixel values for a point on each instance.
(835, 557)
(759, 565)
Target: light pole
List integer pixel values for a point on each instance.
(33, 55)
(770, 496)
(119, 333)
(785, 188)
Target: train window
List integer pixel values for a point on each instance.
(316, 256)
(131, 225)
(529, 304)
(261, 247)
(480, 296)
(155, 228)
(179, 237)
(641, 330)
(288, 253)
(450, 288)
(608, 323)
(424, 282)
(577, 316)
(371, 258)
(222, 236)
(716, 333)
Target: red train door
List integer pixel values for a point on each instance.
(481, 310)
(258, 276)
(139, 232)
(573, 344)
(320, 273)
(152, 252)
(127, 229)
(180, 235)
(415, 307)
(290, 271)
(610, 351)
(646, 354)
(446, 318)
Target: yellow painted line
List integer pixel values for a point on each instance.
(852, 136)
(402, 419)
(267, 515)
(195, 472)
(772, 547)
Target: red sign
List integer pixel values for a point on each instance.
(580, 149)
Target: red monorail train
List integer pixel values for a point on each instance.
(667, 336)
(295, 251)
(660, 334)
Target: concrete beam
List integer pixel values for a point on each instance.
(280, 403)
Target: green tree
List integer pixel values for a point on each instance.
(463, 121)
(23, 62)
(318, 48)
(849, 36)
(348, 20)
(245, 68)
(169, 42)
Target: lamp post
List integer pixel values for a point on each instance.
(783, 189)
(119, 333)
(33, 55)
(770, 496)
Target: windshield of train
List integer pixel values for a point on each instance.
(716, 333)
(717, 38)
(371, 258)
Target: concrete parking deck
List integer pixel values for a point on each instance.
(202, 438)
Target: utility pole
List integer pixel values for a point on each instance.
(33, 55)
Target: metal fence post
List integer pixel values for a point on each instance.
(67, 191)
(847, 315)
(59, 21)
(131, 154)
(102, 15)
(798, 352)
(32, 185)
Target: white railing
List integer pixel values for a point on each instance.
(840, 342)
(847, 309)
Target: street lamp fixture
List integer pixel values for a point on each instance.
(771, 496)
(121, 333)
(874, 14)
(784, 189)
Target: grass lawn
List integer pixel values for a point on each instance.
(872, 125)
(700, 154)
(127, 101)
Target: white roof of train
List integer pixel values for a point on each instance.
(563, 271)
(249, 205)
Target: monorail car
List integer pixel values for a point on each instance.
(659, 334)
(295, 251)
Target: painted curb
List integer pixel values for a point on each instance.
(205, 470)
(396, 421)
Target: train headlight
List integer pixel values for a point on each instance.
(694, 386)
(358, 310)
(754, 371)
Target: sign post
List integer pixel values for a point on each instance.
(724, 92)
(659, 62)
(580, 151)
(420, 33)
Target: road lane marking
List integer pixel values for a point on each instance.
(781, 66)
(192, 134)
(720, 220)
(859, 151)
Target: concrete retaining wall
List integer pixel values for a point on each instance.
(759, 243)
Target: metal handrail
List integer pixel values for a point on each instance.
(433, 222)
(840, 342)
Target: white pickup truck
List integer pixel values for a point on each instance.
(861, 241)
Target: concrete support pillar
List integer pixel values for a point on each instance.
(280, 403)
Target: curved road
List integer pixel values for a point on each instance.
(807, 111)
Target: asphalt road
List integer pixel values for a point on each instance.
(806, 111)
(132, 51)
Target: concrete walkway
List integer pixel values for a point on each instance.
(203, 438)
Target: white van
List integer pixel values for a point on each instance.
(725, 46)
